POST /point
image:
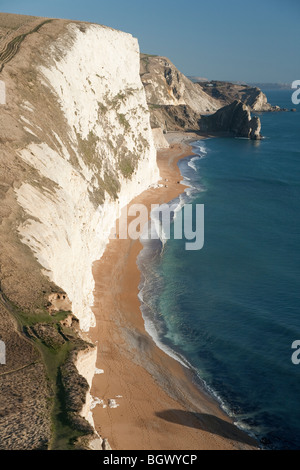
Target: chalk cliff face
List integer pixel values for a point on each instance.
(226, 93)
(94, 161)
(76, 146)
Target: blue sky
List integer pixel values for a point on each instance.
(222, 39)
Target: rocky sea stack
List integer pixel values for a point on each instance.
(234, 119)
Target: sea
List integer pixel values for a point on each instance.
(230, 311)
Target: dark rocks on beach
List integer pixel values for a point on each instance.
(277, 109)
(293, 110)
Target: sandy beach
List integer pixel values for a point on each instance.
(157, 406)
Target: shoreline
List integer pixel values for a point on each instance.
(149, 400)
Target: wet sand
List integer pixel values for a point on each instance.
(159, 406)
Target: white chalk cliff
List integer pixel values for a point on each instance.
(99, 154)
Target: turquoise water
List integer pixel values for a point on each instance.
(232, 309)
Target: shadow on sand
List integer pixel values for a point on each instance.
(208, 423)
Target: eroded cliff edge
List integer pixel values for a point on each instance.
(76, 146)
(178, 104)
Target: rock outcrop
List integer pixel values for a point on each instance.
(165, 86)
(226, 93)
(178, 104)
(234, 119)
(86, 140)
(231, 120)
